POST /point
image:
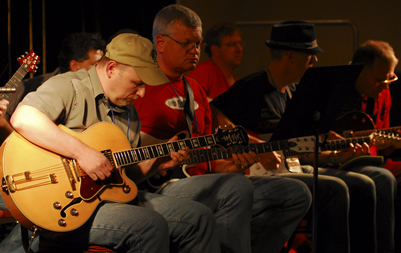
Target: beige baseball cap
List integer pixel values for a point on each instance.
(138, 52)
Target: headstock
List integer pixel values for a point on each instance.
(304, 144)
(228, 137)
(381, 140)
(29, 61)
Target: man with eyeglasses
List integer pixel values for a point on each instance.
(224, 46)
(276, 206)
(373, 97)
(258, 101)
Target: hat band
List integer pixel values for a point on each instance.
(305, 45)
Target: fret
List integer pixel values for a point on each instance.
(160, 150)
(209, 140)
(265, 148)
(134, 155)
(181, 145)
(155, 151)
(215, 154)
(117, 158)
(195, 143)
(128, 157)
(140, 154)
(275, 146)
(202, 141)
(146, 153)
(194, 158)
(170, 148)
(175, 146)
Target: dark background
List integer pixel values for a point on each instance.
(61, 19)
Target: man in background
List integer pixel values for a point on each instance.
(224, 46)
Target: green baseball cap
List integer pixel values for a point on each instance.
(136, 51)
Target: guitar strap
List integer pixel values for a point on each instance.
(189, 110)
(189, 106)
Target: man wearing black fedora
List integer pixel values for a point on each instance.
(346, 201)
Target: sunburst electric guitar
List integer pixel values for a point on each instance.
(46, 191)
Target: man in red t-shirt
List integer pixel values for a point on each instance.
(264, 220)
(224, 46)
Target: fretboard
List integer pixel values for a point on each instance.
(335, 144)
(137, 155)
(15, 80)
(393, 130)
(216, 153)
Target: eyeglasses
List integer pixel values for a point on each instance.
(393, 79)
(234, 44)
(187, 45)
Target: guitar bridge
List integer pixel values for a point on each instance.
(8, 184)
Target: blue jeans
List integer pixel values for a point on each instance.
(279, 206)
(229, 197)
(372, 191)
(332, 206)
(133, 228)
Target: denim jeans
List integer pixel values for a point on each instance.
(133, 228)
(229, 197)
(332, 206)
(279, 206)
(372, 193)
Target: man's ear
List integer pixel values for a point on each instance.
(111, 68)
(289, 54)
(160, 42)
(74, 65)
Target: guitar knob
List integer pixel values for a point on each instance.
(126, 189)
(61, 223)
(69, 195)
(74, 212)
(57, 205)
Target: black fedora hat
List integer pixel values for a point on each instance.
(294, 35)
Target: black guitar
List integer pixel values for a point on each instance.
(298, 145)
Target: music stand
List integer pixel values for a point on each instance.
(315, 105)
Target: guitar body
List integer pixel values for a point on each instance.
(45, 190)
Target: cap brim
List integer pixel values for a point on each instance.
(151, 76)
(312, 50)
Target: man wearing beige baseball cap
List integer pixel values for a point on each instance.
(104, 93)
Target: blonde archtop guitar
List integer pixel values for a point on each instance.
(46, 191)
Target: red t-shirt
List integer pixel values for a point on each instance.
(162, 115)
(211, 78)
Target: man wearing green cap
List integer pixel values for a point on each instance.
(104, 93)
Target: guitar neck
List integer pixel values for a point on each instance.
(393, 130)
(335, 144)
(137, 155)
(15, 80)
(216, 153)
